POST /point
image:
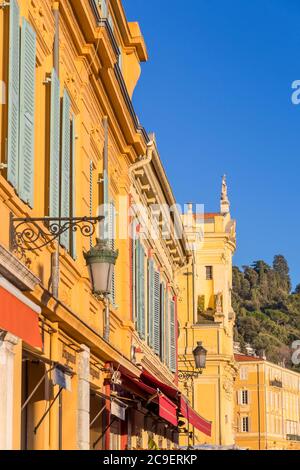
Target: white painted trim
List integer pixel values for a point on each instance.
(18, 294)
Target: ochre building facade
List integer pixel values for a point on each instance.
(78, 372)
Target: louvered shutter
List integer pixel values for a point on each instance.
(65, 166)
(156, 322)
(142, 293)
(167, 329)
(172, 362)
(13, 94)
(112, 244)
(54, 146)
(27, 93)
(133, 270)
(73, 234)
(140, 300)
(150, 302)
(162, 320)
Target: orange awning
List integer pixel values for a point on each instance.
(18, 318)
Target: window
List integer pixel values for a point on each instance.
(209, 273)
(139, 275)
(245, 424)
(243, 373)
(244, 397)
(21, 105)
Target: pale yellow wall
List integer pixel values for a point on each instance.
(213, 390)
(271, 407)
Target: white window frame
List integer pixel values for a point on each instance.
(245, 424)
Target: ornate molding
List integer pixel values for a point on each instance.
(16, 272)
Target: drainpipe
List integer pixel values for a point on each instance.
(143, 161)
(258, 409)
(55, 256)
(105, 203)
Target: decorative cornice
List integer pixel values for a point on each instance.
(16, 272)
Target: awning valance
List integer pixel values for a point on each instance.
(171, 392)
(167, 410)
(194, 418)
(18, 315)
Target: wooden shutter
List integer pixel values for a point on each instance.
(140, 289)
(150, 302)
(13, 94)
(27, 93)
(156, 320)
(172, 362)
(133, 270)
(73, 234)
(65, 166)
(162, 320)
(54, 146)
(167, 330)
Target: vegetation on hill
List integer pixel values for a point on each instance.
(268, 313)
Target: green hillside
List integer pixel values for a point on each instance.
(268, 313)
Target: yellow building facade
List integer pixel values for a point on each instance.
(208, 318)
(74, 374)
(267, 405)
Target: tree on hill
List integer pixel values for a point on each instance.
(268, 314)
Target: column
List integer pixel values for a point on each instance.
(7, 343)
(83, 410)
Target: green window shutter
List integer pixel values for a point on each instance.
(150, 302)
(172, 361)
(140, 289)
(112, 244)
(167, 330)
(156, 319)
(133, 272)
(73, 139)
(162, 320)
(13, 94)
(65, 166)
(54, 146)
(27, 85)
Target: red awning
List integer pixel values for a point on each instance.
(167, 410)
(138, 387)
(19, 319)
(193, 418)
(171, 392)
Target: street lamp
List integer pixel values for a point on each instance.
(200, 354)
(100, 261)
(188, 376)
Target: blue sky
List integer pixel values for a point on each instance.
(217, 93)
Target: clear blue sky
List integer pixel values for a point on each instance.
(217, 93)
